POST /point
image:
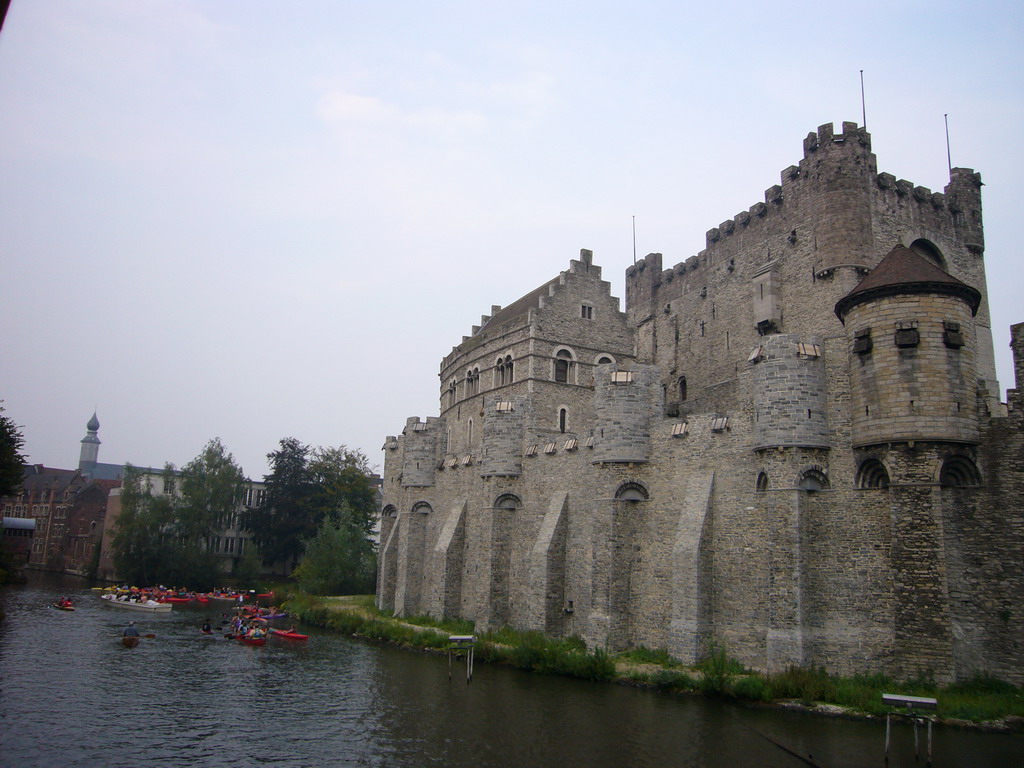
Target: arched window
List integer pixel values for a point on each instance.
(450, 400)
(422, 508)
(469, 436)
(390, 511)
(763, 482)
(503, 371)
(928, 250)
(604, 359)
(563, 360)
(632, 492)
(507, 502)
(872, 474)
(813, 480)
(959, 472)
(563, 419)
(472, 381)
(681, 388)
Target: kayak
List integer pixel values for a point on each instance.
(252, 640)
(60, 607)
(129, 642)
(174, 600)
(289, 635)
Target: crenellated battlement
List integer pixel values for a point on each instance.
(833, 165)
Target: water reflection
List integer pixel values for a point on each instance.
(71, 695)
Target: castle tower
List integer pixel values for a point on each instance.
(504, 419)
(910, 331)
(623, 407)
(419, 457)
(789, 392)
(90, 447)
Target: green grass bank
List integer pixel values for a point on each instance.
(982, 701)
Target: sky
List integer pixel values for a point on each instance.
(252, 220)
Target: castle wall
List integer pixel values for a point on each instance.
(754, 479)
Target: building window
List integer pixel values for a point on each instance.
(959, 472)
(813, 480)
(508, 503)
(563, 359)
(952, 336)
(681, 388)
(632, 492)
(604, 360)
(563, 417)
(862, 342)
(907, 337)
(763, 483)
(503, 372)
(587, 312)
(872, 474)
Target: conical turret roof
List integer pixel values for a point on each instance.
(904, 271)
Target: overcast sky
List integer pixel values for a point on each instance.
(254, 220)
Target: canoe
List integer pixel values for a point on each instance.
(252, 640)
(154, 608)
(60, 607)
(129, 642)
(289, 635)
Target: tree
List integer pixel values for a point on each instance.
(12, 463)
(285, 518)
(141, 555)
(166, 538)
(306, 486)
(338, 560)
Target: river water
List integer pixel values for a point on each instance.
(71, 695)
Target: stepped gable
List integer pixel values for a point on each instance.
(520, 306)
(904, 271)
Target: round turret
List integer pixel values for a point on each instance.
(910, 331)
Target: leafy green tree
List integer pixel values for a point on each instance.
(12, 463)
(140, 550)
(210, 488)
(248, 569)
(166, 538)
(305, 487)
(286, 517)
(338, 560)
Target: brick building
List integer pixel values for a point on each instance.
(791, 443)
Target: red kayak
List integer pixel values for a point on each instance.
(129, 642)
(289, 635)
(252, 640)
(174, 600)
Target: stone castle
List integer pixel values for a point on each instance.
(791, 443)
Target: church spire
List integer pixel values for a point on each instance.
(90, 446)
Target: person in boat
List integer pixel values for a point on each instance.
(130, 630)
(206, 628)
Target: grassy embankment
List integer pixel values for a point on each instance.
(980, 700)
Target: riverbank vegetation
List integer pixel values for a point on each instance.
(979, 700)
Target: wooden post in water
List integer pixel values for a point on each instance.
(458, 643)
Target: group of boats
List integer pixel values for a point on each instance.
(160, 600)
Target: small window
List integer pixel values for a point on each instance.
(563, 418)
(680, 429)
(563, 359)
(549, 448)
(907, 337)
(531, 450)
(603, 360)
(571, 444)
(503, 406)
(719, 423)
(952, 336)
(587, 312)
(763, 483)
(862, 342)
(467, 460)
(622, 377)
(808, 350)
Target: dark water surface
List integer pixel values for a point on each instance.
(71, 695)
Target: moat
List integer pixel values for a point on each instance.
(71, 695)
